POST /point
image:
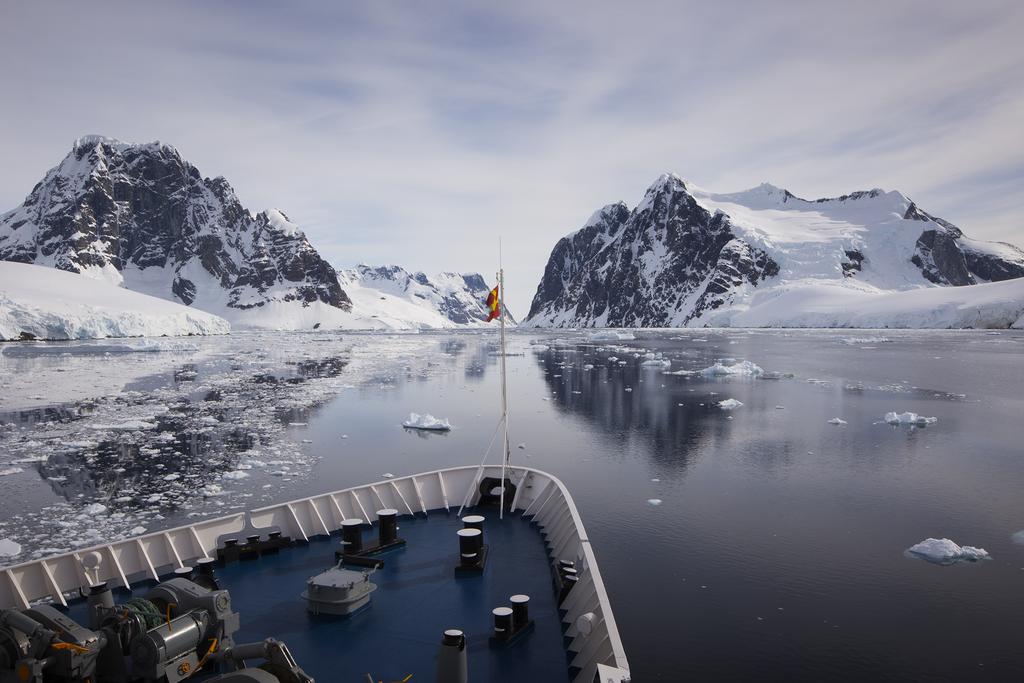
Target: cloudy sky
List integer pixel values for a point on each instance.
(417, 132)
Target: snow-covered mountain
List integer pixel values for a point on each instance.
(142, 217)
(689, 257)
(398, 298)
(45, 303)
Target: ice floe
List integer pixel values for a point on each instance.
(945, 551)
(10, 470)
(912, 419)
(724, 368)
(610, 335)
(729, 404)
(655, 360)
(426, 422)
(654, 501)
(9, 548)
(837, 421)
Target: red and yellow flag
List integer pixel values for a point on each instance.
(493, 304)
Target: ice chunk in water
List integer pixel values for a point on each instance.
(10, 470)
(909, 419)
(729, 404)
(427, 422)
(654, 501)
(655, 360)
(945, 551)
(837, 421)
(743, 368)
(609, 335)
(9, 548)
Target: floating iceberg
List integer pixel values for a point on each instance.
(609, 335)
(654, 501)
(655, 360)
(1018, 537)
(426, 422)
(909, 419)
(10, 470)
(9, 548)
(743, 368)
(729, 404)
(945, 551)
(837, 421)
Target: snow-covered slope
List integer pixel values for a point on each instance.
(45, 303)
(398, 298)
(142, 217)
(819, 304)
(687, 256)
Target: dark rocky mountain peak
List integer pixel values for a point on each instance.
(142, 216)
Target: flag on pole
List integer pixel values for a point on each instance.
(493, 304)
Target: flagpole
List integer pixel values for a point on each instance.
(504, 389)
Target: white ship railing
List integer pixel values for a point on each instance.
(596, 650)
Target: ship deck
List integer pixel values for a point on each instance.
(418, 597)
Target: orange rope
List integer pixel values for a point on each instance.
(213, 648)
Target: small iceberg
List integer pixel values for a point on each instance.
(9, 548)
(945, 551)
(724, 368)
(837, 421)
(426, 422)
(729, 404)
(909, 419)
(654, 502)
(655, 360)
(610, 335)
(1018, 537)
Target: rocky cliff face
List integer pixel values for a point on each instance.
(141, 216)
(684, 253)
(660, 265)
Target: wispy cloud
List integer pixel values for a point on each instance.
(416, 132)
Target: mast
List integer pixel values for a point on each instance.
(504, 385)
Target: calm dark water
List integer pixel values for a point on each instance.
(777, 552)
(778, 549)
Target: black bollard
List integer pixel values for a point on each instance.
(520, 611)
(387, 519)
(451, 658)
(469, 546)
(183, 573)
(352, 536)
(502, 622)
(474, 522)
(568, 581)
(206, 577)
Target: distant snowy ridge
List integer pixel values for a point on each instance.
(398, 298)
(685, 256)
(140, 216)
(45, 303)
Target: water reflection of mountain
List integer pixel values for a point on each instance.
(629, 402)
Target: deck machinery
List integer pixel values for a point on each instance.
(183, 627)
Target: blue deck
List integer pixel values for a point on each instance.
(418, 598)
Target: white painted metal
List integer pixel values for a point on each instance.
(136, 559)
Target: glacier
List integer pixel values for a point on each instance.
(37, 302)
